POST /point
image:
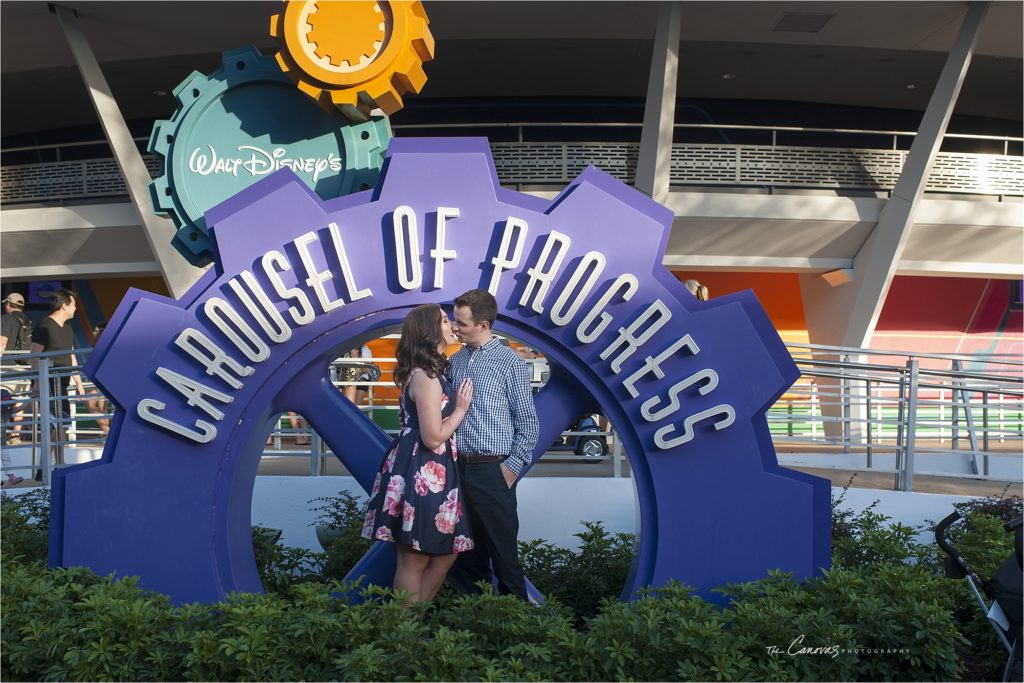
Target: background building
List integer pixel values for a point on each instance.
(778, 132)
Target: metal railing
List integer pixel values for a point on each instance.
(898, 413)
(767, 163)
(852, 409)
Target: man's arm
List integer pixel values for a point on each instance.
(77, 377)
(35, 349)
(525, 426)
(7, 332)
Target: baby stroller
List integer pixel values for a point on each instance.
(1003, 589)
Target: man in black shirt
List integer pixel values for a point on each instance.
(54, 333)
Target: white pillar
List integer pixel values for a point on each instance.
(178, 273)
(846, 314)
(655, 158)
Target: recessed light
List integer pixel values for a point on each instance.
(159, 93)
(728, 77)
(911, 86)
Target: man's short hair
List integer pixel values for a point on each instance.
(60, 298)
(481, 305)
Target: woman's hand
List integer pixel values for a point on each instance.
(464, 396)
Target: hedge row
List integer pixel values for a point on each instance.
(884, 612)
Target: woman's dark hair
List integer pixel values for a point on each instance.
(421, 335)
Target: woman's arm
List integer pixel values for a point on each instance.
(426, 392)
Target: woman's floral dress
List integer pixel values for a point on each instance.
(415, 498)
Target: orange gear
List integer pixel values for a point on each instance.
(354, 55)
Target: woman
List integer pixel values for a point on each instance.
(357, 373)
(697, 289)
(415, 501)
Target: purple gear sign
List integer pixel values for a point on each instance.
(715, 508)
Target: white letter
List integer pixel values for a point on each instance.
(626, 280)
(147, 411)
(728, 417)
(709, 379)
(540, 278)
(440, 254)
(592, 258)
(195, 392)
(266, 314)
(654, 364)
(315, 279)
(195, 342)
(303, 312)
(404, 221)
(627, 334)
(254, 348)
(502, 261)
(346, 269)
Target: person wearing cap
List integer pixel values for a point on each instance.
(15, 326)
(15, 335)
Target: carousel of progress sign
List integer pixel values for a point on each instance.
(197, 381)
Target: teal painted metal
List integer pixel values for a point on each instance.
(242, 122)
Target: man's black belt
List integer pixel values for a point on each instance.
(474, 458)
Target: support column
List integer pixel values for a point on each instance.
(843, 311)
(655, 159)
(178, 273)
(842, 307)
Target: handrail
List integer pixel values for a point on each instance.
(599, 124)
(884, 418)
(1011, 359)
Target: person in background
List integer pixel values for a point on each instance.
(495, 443)
(98, 404)
(7, 407)
(416, 499)
(697, 289)
(54, 333)
(358, 373)
(15, 326)
(15, 335)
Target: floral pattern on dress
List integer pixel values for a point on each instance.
(393, 499)
(431, 477)
(448, 513)
(408, 515)
(415, 496)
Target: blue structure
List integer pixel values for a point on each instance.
(197, 381)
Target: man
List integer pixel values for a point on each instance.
(495, 442)
(54, 333)
(15, 335)
(15, 326)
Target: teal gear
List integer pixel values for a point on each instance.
(242, 122)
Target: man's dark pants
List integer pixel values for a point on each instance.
(493, 517)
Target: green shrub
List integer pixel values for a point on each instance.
(344, 514)
(24, 534)
(282, 568)
(884, 612)
(580, 580)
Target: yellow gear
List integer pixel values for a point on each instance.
(354, 55)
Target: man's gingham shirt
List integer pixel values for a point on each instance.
(502, 418)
